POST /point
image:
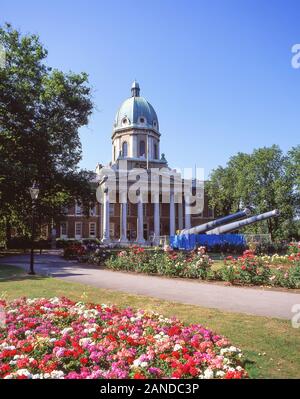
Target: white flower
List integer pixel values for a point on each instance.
(177, 347)
(57, 374)
(23, 372)
(66, 330)
(220, 373)
(136, 363)
(144, 364)
(54, 300)
(208, 374)
(89, 330)
(85, 341)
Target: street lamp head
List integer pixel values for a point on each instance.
(34, 191)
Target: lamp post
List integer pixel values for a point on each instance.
(34, 193)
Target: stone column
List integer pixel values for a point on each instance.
(156, 220)
(105, 207)
(172, 213)
(180, 216)
(187, 224)
(123, 221)
(140, 222)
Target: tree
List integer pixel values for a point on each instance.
(261, 180)
(41, 111)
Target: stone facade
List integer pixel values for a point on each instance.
(136, 141)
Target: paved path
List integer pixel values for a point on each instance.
(235, 299)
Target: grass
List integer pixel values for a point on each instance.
(271, 346)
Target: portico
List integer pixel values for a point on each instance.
(136, 146)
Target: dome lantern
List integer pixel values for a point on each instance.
(135, 89)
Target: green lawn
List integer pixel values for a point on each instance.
(271, 346)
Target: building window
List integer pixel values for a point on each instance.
(65, 210)
(92, 230)
(114, 152)
(78, 230)
(78, 208)
(124, 149)
(142, 148)
(63, 230)
(125, 121)
(93, 210)
(154, 123)
(111, 209)
(155, 151)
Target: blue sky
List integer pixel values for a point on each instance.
(218, 73)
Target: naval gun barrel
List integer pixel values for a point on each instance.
(241, 223)
(202, 228)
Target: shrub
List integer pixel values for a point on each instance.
(98, 256)
(294, 248)
(260, 270)
(25, 243)
(74, 251)
(194, 264)
(61, 243)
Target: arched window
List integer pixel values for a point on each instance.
(142, 148)
(155, 151)
(124, 149)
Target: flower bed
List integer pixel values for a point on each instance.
(280, 271)
(171, 263)
(58, 338)
(276, 271)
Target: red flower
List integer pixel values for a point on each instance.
(27, 349)
(233, 375)
(177, 373)
(174, 331)
(194, 371)
(84, 361)
(176, 354)
(139, 376)
(111, 337)
(5, 368)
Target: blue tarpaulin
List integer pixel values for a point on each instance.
(190, 241)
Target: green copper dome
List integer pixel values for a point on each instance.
(136, 112)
